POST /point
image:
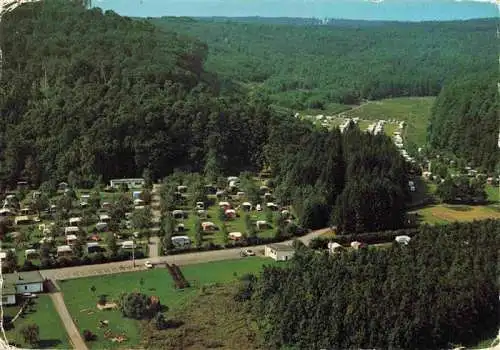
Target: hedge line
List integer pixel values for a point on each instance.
(91, 259)
(368, 238)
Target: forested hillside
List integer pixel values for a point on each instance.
(328, 176)
(98, 94)
(94, 95)
(439, 291)
(310, 66)
(464, 120)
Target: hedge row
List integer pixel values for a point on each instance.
(367, 238)
(237, 244)
(91, 259)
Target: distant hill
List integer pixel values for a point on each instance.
(310, 66)
(388, 10)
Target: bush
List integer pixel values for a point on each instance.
(88, 335)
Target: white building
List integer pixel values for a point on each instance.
(279, 252)
(20, 283)
(131, 183)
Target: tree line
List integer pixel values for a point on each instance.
(439, 291)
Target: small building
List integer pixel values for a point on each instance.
(128, 245)
(246, 206)
(181, 241)
(136, 194)
(101, 226)
(230, 213)
(279, 252)
(26, 282)
(357, 245)
(334, 247)
(403, 239)
(6, 212)
(262, 224)
(64, 250)
(31, 253)
(130, 183)
(93, 247)
(208, 226)
(235, 236)
(22, 220)
(75, 221)
(178, 214)
(15, 284)
(224, 205)
(138, 202)
(71, 230)
(70, 239)
(104, 218)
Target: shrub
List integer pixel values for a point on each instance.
(88, 335)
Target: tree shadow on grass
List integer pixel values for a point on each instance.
(48, 343)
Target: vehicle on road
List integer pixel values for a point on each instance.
(148, 264)
(29, 295)
(247, 252)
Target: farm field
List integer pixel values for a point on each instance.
(442, 214)
(81, 302)
(414, 111)
(52, 332)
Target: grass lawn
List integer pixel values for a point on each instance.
(234, 225)
(493, 193)
(442, 214)
(331, 109)
(415, 111)
(52, 332)
(78, 296)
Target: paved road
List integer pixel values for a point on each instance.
(73, 333)
(181, 259)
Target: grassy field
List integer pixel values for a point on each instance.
(52, 332)
(442, 214)
(212, 320)
(414, 111)
(81, 302)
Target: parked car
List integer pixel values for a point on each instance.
(148, 264)
(247, 252)
(29, 295)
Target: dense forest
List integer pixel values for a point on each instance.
(328, 176)
(310, 66)
(465, 120)
(436, 292)
(98, 94)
